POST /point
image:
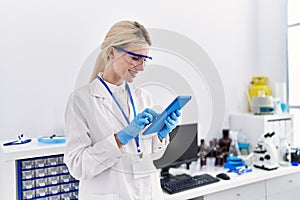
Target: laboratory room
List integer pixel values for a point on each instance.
(158, 100)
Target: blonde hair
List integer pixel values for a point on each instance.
(120, 34)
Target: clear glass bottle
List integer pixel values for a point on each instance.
(242, 143)
(284, 152)
(233, 151)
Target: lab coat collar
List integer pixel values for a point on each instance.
(98, 90)
(116, 88)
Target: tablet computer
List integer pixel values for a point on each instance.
(157, 124)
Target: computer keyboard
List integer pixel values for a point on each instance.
(179, 183)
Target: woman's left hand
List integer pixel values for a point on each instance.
(170, 123)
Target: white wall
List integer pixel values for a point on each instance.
(44, 43)
(271, 49)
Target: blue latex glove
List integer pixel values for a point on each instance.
(136, 125)
(170, 123)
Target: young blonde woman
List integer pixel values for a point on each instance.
(105, 149)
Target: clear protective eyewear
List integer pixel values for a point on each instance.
(135, 58)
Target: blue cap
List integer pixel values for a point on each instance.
(294, 163)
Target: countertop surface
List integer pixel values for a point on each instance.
(236, 180)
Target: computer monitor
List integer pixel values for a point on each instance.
(183, 148)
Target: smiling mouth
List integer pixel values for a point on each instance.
(134, 73)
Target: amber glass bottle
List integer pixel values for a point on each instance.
(225, 141)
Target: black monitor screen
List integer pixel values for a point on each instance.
(183, 147)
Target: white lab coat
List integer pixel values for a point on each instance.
(93, 157)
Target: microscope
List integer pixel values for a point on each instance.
(265, 153)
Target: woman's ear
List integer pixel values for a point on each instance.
(110, 52)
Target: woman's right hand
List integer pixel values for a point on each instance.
(137, 125)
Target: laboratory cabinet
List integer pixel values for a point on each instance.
(254, 191)
(45, 178)
(255, 126)
(286, 187)
(279, 188)
(35, 171)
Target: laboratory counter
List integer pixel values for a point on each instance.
(17, 170)
(278, 184)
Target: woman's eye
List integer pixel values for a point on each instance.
(135, 58)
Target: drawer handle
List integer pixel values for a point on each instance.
(238, 194)
(291, 181)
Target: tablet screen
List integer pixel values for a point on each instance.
(177, 104)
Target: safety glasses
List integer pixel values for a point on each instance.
(134, 58)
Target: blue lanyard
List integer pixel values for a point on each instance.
(137, 140)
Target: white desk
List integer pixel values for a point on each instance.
(280, 184)
(259, 184)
